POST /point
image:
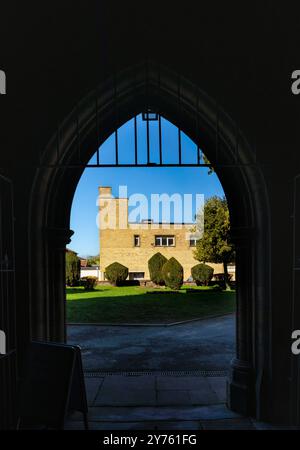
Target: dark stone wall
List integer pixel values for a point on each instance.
(241, 54)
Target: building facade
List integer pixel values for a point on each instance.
(133, 244)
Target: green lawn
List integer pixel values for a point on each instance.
(107, 304)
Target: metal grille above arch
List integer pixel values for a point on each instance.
(106, 109)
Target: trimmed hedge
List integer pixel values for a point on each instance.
(155, 265)
(202, 274)
(116, 273)
(89, 283)
(173, 274)
(72, 269)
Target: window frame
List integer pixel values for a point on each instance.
(194, 240)
(138, 237)
(167, 237)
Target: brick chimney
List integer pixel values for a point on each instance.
(105, 191)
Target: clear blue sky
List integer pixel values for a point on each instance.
(147, 181)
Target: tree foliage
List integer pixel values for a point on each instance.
(72, 268)
(206, 161)
(173, 274)
(93, 260)
(202, 274)
(155, 265)
(216, 245)
(116, 273)
(89, 283)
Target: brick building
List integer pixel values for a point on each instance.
(132, 244)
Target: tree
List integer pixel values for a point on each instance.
(72, 268)
(202, 274)
(173, 274)
(155, 265)
(89, 283)
(93, 260)
(206, 161)
(116, 273)
(216, 245)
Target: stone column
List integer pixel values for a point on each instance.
(56, 252)
(241, 391)
(295, 359)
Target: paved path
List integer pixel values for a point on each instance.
(207, 344)
(158, 401)
(150, 402)
(155, 402)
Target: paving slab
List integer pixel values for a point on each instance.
(150, 425)
(92, 386)
(229, 424)
(146, 397)
(180, 425)
(203, 397)
(166, 413)
(112, 426)
(121, 382)
(183, 382)
(155, 390)
(131, 391)
(269, 426)
(219, 386)
(169, 397)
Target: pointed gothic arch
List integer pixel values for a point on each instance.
(97, 116)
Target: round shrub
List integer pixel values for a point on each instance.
(155, 265)
(89, 283)
(116, 273)
(202, 274)
(173, 274)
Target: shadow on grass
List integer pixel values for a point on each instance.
(80, 290)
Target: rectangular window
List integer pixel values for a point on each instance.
(137, 240)
(193, 242)
(231, 268)
(165, 241)
(136, 275)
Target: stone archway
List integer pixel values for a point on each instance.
(62, 163)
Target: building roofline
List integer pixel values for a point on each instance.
(162, 223)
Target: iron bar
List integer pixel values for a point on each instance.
(76, 166)
(217, 131)
(116, 120)
(97, 129)
(148, 142)
(147, 109)
(179, 146)
(78, 134)
(197, 130)
(179, 113)
(135, 142)
(159, 120)
(116, 147)
(160, 139)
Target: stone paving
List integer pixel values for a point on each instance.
(151, 390)
(158, 400)
(153, 402)
(150, 402)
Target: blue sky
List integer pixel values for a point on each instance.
(147, 181)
